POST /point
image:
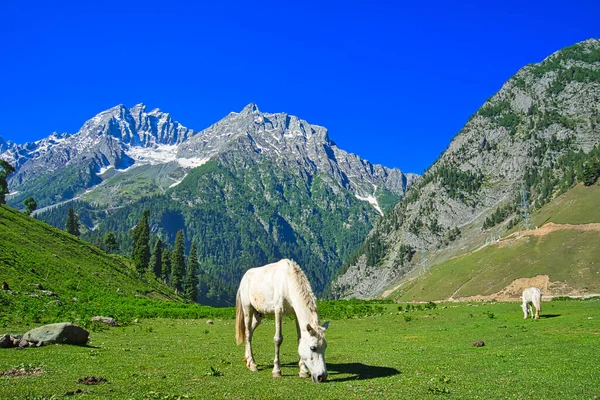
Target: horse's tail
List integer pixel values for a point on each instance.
(539, 304)
(240, 325)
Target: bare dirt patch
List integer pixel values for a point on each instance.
(21, 371)
(513, 291)
(92, 380)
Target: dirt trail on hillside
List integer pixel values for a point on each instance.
(541, 231)
(514, 290)
(552, 227)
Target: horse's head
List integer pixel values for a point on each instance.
(312, 351)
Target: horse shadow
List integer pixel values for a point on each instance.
(549, 315)
(357, 371)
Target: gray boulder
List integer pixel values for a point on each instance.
(63, 333)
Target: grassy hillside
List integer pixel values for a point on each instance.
(569, 255)
(85, 280)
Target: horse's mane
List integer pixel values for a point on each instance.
(304, 288)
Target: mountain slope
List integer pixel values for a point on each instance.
(540, 131)
(560, 256)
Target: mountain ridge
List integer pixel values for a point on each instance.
(121, 138)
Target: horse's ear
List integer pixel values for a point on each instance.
(310, 330)
(325, 325)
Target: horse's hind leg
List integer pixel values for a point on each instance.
(251, 320)
(278, 339)
(531, 310)
(304, 373)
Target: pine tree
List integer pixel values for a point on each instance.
(72, 225)
(178, 263)
(30, 205)
(190, 287)
(110, 241)
(141, 248)
(156, 259)
(5, 170)
(591, 171)
(165, 271)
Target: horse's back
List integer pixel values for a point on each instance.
(265, 288)
(532, 294)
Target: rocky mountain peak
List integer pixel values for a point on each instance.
(250, 109)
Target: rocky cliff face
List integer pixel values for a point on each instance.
(523, 136)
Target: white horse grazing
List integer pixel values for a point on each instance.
(281, 288)
(532, 297)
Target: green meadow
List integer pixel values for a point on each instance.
(416, 354)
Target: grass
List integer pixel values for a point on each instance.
(384, 356)
(577, 206)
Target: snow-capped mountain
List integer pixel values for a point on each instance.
(121, 139)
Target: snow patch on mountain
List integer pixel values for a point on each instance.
(163, 154)
(160, 154)
(372, 200)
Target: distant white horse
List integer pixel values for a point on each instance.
(281, 288)
(532, 297)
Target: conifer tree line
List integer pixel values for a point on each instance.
(167, 265)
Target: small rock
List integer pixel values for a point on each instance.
(5, 341)
(478, 343)
(209, 322)
(105, 320)
(5, 286)
(48, 293)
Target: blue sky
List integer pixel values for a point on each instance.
(393, 83)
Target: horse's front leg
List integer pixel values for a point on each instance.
(278, 339)
(304, 373)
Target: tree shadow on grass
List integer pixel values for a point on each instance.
(549, 315)
(357, 371)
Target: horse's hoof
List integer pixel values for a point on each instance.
(276, 374)
(253, 368)
(303, 374)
